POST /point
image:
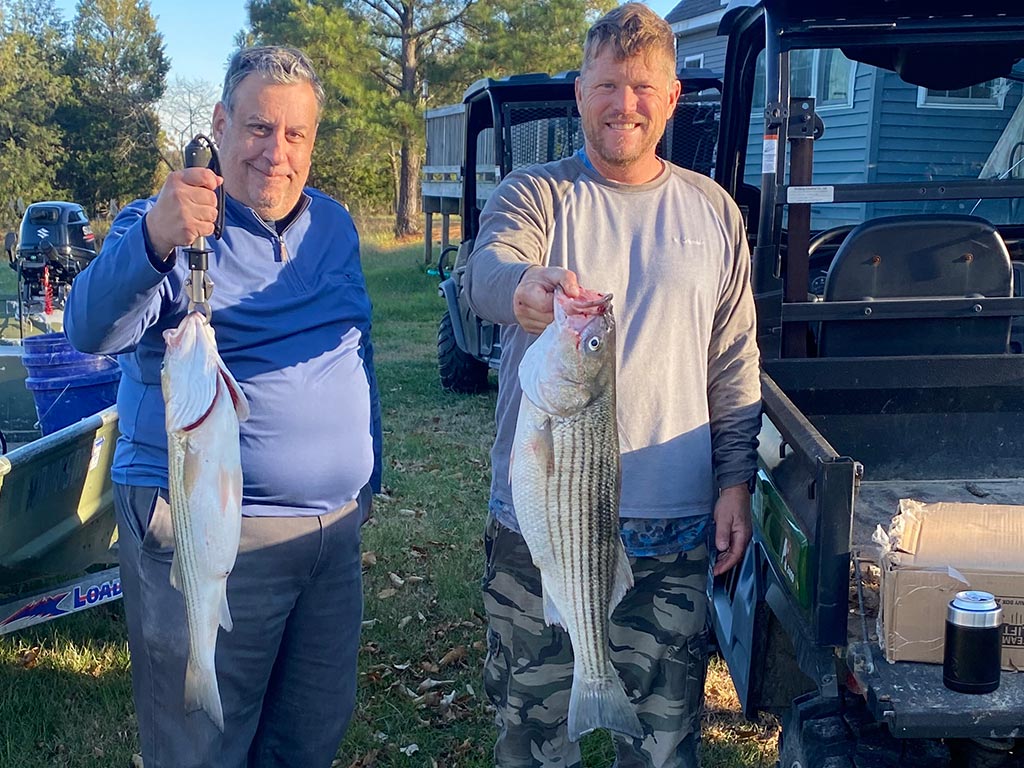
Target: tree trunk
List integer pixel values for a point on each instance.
(407, 210)
(407, 199)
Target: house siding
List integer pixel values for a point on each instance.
(691, 9)
(840, 156)
(705, 41)
(913, 140)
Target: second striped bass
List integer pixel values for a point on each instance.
(204, 405)
(565, 488)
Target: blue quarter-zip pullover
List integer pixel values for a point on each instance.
(292, 319)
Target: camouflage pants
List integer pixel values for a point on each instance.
(659, 647)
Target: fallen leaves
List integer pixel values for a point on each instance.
(397, 583)
(438, 698)
(369, 760)
(430, 684)
(419, 684)
(29, 658)
(456, 655)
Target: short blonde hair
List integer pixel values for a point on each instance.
(632, 30)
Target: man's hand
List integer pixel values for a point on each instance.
(534, 302)
(185, 209)
(732, 527)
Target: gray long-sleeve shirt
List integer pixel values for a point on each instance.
(673, 252)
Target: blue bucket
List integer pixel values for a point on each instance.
(67, 385)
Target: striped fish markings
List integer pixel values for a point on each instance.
(565, 488)
(204, 405)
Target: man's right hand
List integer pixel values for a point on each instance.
(534, 299)
(185, 209)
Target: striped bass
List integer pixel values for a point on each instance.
(565, 488)
(204, 405)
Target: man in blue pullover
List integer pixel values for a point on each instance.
(292, 317)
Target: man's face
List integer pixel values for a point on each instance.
(266, 143)
(624, 106)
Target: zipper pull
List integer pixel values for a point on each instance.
(284, 249)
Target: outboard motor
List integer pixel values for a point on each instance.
(55, 245)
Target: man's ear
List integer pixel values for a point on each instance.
(220, 119)
(674, 92)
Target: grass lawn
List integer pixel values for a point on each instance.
(65, 693)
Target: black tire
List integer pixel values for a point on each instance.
(459, 372)
(818, 736)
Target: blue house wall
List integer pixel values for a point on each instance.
(840, 155)
(887, 137)
(706, 42)
(913, 141)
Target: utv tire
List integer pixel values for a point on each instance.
(459, 372)
(815, 735)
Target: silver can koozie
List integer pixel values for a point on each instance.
(972, 654)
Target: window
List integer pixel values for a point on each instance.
(44, 215)
(834, 79)
(801, 73)
(695, 61)
(827, 75)
(987, 95)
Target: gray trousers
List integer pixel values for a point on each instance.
(287, 671)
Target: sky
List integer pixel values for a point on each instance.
(199, 34)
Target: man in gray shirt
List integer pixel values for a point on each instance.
(670, 245)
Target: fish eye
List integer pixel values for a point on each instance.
(593, 343)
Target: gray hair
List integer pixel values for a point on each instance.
(278, 63)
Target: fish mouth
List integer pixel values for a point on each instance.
(588, 303)
(577, 314)
(184, 333)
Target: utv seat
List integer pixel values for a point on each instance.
(914, 257)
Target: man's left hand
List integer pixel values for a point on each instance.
(732, 527)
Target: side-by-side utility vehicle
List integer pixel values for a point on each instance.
(877, 149)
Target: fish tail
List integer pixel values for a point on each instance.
(601, 704)
(201, 692)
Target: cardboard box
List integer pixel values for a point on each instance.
(933, 551)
